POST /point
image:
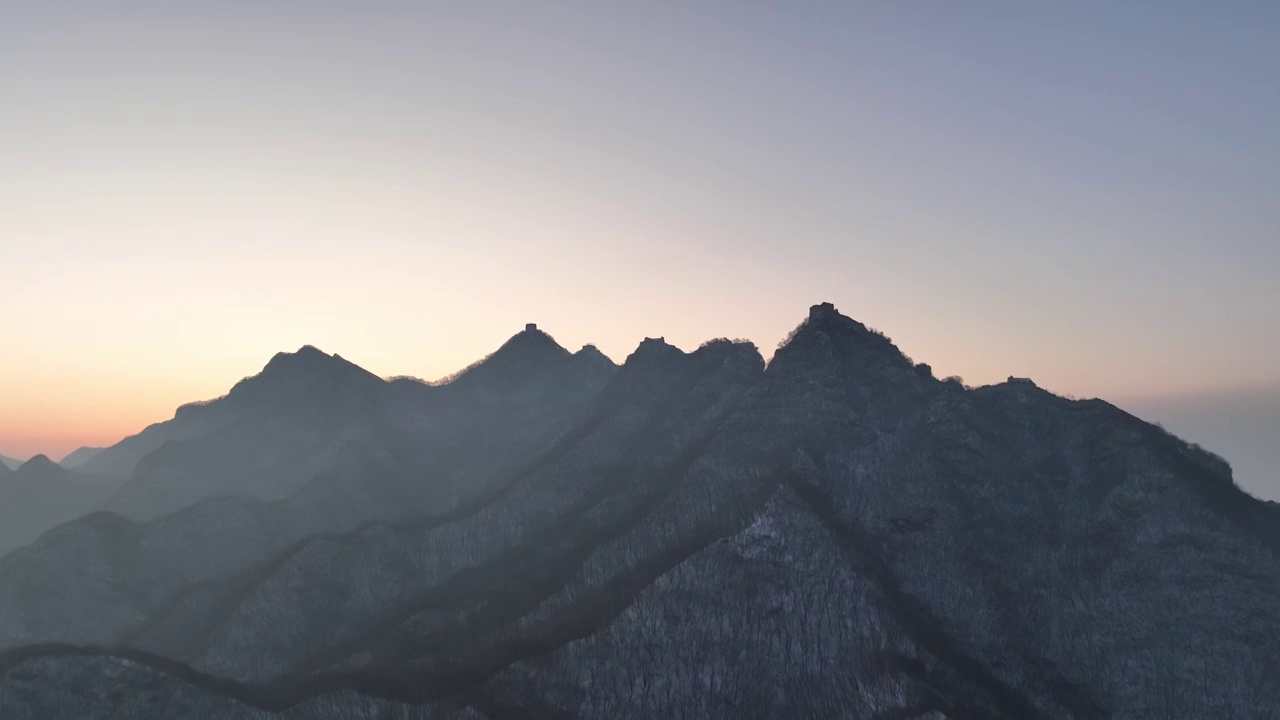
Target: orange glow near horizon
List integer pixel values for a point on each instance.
(55, 407)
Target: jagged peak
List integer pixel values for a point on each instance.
(653, 348)
(288, 371)
(823, 320)
(822, 309)
(307, 355)
(531, 339)
(526, 349)
(310, 358)
(593, 353)
(652, 355)
(825, 330)
(724, 342)
(740, 354)
(825, 316)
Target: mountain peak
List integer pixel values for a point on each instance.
(822, 310)
(658, 344)
(287, 372)
(305, 356)
(592, 352)
(526, 354)
(38, 464)
(530, 339)
(652, 350)
(310, 359)
(590, 359)
(824, 316)
(829, 339)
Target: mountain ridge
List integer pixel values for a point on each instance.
(704, 535)
(78, 457)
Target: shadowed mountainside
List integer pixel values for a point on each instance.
(836, 535)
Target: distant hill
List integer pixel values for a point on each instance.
(42, 494)
(10, 462)
(79, 457)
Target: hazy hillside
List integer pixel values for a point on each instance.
(41, 494)
(438, 447)
(276, 432)
(691, 535)
(79, 457)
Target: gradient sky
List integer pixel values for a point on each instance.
(1084, 193)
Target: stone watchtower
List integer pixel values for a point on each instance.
(530, 327)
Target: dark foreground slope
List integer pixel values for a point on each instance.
(838, 535)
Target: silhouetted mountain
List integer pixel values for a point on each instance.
(267, 438)
(291, 383)
(281, 429)
(836, 535)
(436, 449)
(79, 457)
(39, 465)
(528, 354)
(10, 463)
(41, 494)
